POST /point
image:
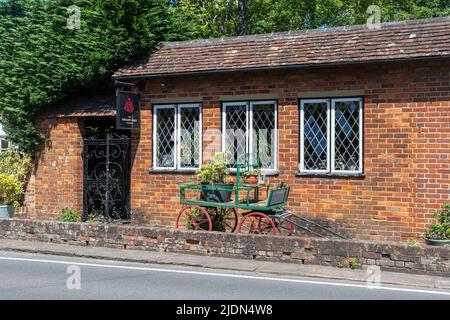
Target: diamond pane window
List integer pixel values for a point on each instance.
(235, 132)
(263, 139)
(189, 137)
(251, 127)
(165, 137)
(315, 135)
(347, 135)
(177, 136)
(331, 136)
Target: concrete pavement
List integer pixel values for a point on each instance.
(219, 263)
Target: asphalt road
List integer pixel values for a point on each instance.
(34, 276)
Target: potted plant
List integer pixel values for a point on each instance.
(439, 233)
(252, 176)
(215, 180)
(10, 193)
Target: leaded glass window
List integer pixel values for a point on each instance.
(189, 137)
(235, 131)
(347, 135)
(251, 127)
(331, 135)
(263, 138)
(315, 135)
(177, 136)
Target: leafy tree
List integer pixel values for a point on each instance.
(215, 18)
(42, 60)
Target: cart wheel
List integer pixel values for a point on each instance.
(257, 223)
(285, 228)
(228, 219)
(194, 218)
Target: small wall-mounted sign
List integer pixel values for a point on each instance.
(128, 110)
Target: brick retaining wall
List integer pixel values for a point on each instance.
(391, 256)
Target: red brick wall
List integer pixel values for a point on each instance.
(406, 155)
(57, 178)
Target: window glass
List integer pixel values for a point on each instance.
(263, 141)
(315, 136)
(235, 132)
(189, 137)
(331, 135)
(165, 134)
(347, 136)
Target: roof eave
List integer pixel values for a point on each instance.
(275, 68)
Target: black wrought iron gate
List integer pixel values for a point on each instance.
(107, 176)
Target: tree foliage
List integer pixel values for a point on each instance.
(215, 18)
(41, 60)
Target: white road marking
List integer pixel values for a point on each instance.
(214, 274)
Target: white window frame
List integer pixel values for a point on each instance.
(249, 128)
(177, 134)
(302, 135)
(331, 133)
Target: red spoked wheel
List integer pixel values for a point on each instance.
(285, 228)
(194, 218)
(257, 223)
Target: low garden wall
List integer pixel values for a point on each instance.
(391, 256)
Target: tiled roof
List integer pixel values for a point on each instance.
(406, 40)
(91, 105)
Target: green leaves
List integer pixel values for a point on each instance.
(222, 17)
(216, 171)
(10, 190)
(14, 173)
(441, 229)
(69, 215)
(42, 61)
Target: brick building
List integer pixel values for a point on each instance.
(355, 120)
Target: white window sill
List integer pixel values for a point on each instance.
(172, 171)
(330, 175)
(263, 172)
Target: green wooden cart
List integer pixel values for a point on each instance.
(261, 208)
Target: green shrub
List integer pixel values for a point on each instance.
(15, 164)
(96, 218)
(69, 215)
(441, 229)
(352, 263)
(15, 170)
(216, 171)
(10, 190)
